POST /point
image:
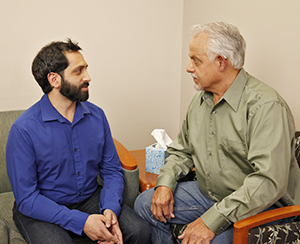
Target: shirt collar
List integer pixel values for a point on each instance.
(49, 113)
(234, 93)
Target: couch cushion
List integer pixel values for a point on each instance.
(6, 205)
(3, 232)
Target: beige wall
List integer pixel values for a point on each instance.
(272, 31)
(133, 49)
(138, 50)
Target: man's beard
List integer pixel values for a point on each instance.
(73, 92)
(197, 86)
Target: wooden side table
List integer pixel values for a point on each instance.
(147, 180)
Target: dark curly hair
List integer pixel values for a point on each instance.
(51, 58)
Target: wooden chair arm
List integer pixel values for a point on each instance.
(127, 160)
(242, 227)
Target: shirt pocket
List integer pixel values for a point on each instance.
(233, 156)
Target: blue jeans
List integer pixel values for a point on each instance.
(133, 227)
(190, 203)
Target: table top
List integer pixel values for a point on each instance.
(147, 180)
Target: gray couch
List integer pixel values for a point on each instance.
(9, 233)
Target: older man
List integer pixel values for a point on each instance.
(238, 133)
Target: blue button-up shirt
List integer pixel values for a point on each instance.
(52, 163)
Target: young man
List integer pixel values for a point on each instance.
(238, 133)
(55, 151)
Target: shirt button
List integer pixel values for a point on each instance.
(212, 132)
(79, 194)
(78, 173)
(208, 175)
(209, 153)
(214, 112)
(75, 149)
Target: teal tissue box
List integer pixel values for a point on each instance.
(155, 159)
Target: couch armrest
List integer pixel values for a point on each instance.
(242, 227)
(131, 174)
(127, 160)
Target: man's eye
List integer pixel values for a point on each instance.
(78, 71)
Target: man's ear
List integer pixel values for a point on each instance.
(222, 62)
(54, 79)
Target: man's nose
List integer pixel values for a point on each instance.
(190, 67)
(87, 77)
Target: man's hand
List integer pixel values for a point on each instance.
(162, 204)
(113, 225)
(197, 232)
(103, 228)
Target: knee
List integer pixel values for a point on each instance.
(143, 201)
(141, 234)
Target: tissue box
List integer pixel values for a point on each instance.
(155, 159)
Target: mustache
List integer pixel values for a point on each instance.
(85, 84)
(194, 76)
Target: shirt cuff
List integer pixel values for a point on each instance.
(78, 222)
(166, 180)
(116, 208)
(215, 221)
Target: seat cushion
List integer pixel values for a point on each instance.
(8, 229)
(283, 233)
(3, 233)
(6, 205)
(177, 230)
(297, 149)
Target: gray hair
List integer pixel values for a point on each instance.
(223, 39)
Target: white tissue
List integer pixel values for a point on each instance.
(162, 138)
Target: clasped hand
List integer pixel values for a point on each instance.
(162, 204)
(103, 228)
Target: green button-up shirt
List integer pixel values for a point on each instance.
(242, 149)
